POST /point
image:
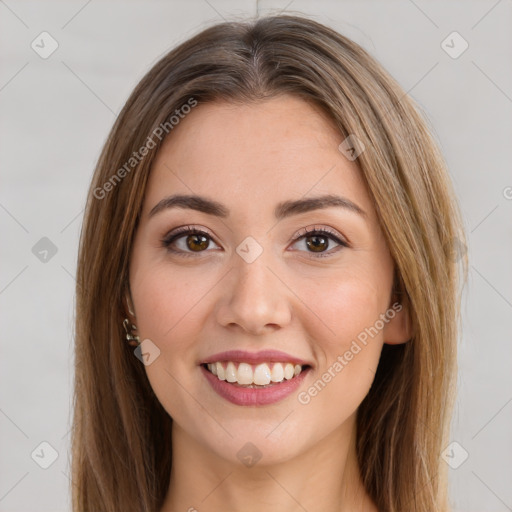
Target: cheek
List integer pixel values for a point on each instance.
(349, 343)
(167, 305)
(347, 353)
(346, 306)
(166, 302)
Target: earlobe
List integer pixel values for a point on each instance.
(398, 329)
(128, 304)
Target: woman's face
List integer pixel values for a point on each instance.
(255, 285)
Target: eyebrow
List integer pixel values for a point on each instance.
(282, 210)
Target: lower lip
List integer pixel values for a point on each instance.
(254, 396)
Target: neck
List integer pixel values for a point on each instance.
(325, 477)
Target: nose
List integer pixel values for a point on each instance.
(254, 299)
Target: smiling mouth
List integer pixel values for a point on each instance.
(256, 376)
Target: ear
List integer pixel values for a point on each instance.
(398, 329)
(129, 310)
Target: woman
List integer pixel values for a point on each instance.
(267, 297)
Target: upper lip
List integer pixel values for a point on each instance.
(263, 356)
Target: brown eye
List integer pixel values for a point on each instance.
(186, 241)
(318, 240)
(197, 243)
(317, 243)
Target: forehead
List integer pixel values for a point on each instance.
(253, 155)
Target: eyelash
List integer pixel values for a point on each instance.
(305, 233)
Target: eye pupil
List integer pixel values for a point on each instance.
(316, 246)
(203, 244)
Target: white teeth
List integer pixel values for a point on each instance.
(288, 371)
(231, 372)
(260, 375)
(221, 373)
(244, 374)
(277, 373)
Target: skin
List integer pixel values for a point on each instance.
(251, 157)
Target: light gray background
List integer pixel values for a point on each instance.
(55, 116)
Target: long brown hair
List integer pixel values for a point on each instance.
(121, 438)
